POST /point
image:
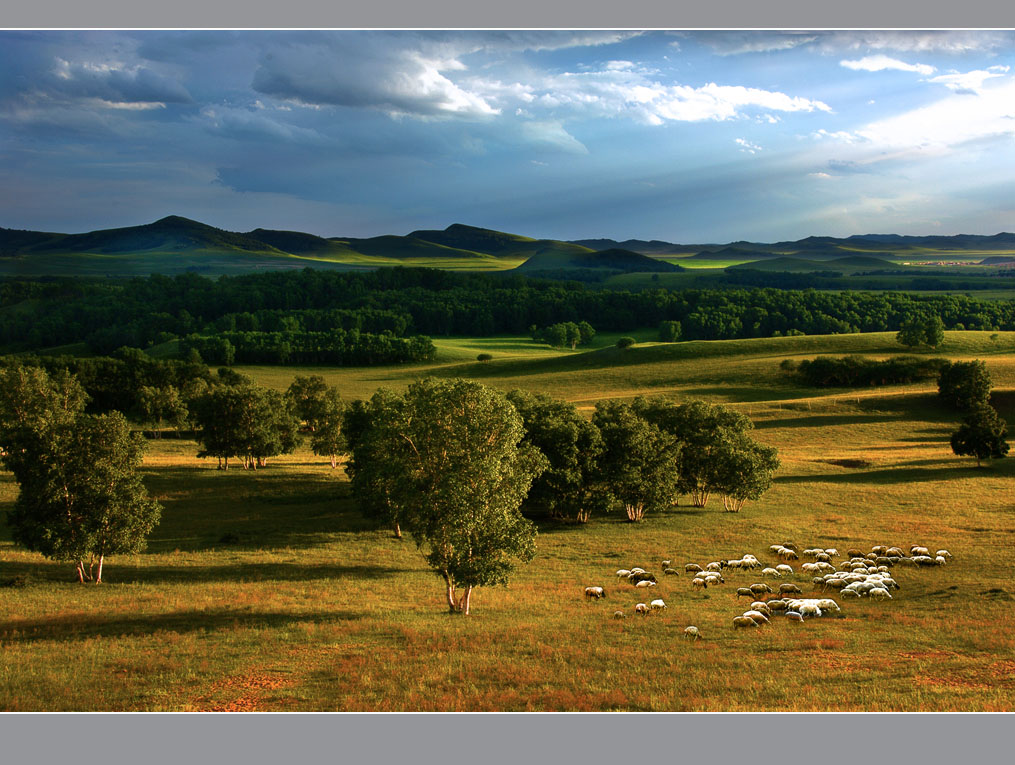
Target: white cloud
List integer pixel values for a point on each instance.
(969, 83)
(552, 134)
(837, 42)
(822, 176)
(747, 146)
(881, 62)
(842, 136)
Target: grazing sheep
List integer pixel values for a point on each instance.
(847, 593)
(879, 593)
(645, 583)
(832, 552)
(809, 609)
(670, 571)
(895, 552)
(642, 609)
(761, 608)
(693, 568)
(657, 604)
(822, 557)
(907, 561)
(829, 606)
(918, 550)
(715, 566)
(699, 584)
(637, 570)
(622, 573)
(854, 553)
(714, 579)
(923, 560)
(944, 554)
(619, 615)
(743, 621)
(595, 592)
(771, 572)
(775, 548)
(940, 560)
(809, 568)
(879, 549)
(784, 568)
(786, 554)
(667, 563)
(794, 616)
(692, 633)
(643, 576)
(777, 605)
(744, 592)
(758, 617)
(787, 588)
(790, 546)
(762, 589)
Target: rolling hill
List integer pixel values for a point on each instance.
(623, 261)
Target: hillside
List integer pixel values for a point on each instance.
(625, 261)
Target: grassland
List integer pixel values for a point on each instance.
(311, 607)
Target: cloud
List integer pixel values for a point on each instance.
(841, 136)
(747, 146)
(243, 124)
(822, 176)
(969, 83)
(881, 62)
(832, 42)
(847, 167)
(552, 134)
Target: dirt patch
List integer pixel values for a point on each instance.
(849, 463)
(249, 688)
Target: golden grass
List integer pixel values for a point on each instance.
(314, 608)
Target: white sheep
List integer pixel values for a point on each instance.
(743, 621)
(879, 593)
(832, 552)
(809, 609)
(771, 572)
(619, 615)
(757, 616)
(944, 554)
(595, 592)
(794, 616)
(744, 592)
(918, 550)
(670, 571)
(699, 584)
(667, 563)
(784, 568)
(645, 583)
(715, 566)
(692, 633)
(622, 573)
(714, 579)
(692, 568)
(642, 609)
(657, 604)
(787, 588)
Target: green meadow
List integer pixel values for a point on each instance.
(270, 591)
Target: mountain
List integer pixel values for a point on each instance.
(653, 247)
(615, 259)
(496, 243)
(733, 253)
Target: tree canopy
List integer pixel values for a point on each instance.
(964, 384)
(981, 435)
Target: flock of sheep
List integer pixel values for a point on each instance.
(857, 575)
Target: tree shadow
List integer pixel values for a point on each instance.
(896, 475)
(116, 573)
(82, 627)
(826, 421)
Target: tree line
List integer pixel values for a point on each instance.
(413, 301)
(336, 347)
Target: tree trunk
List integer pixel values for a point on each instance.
(452, 603)
(81, 571)
(334, 462)
(398, 530)
(635, 512)
(465, 601)
(98, 578)
(227, 464)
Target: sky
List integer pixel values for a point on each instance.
(686, 137)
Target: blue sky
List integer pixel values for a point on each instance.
(681, 136)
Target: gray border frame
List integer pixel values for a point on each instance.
(503, 738)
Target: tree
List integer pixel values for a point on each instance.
(248, 422)
(964, 384)
(922, 330)
(374, 479)
(585, 332)
(81, 497)
(327, 437)
(463, 473)
(307, 394)
(639, 460)
(626, 342)
(744, 471)
(570, 488)
(981, 435)
(670, 331)
(703, 431)
(161, 404)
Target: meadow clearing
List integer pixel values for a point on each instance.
(269, 591)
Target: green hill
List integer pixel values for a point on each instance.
(625, 261)
(791, 265)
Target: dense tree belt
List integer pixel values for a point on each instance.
(409, 301)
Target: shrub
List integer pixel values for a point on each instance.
(626, 342)
(484, 357)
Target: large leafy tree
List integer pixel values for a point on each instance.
(922, 330)
(158, 405)
(964, 384)
(744, 471)
(81, 497)
(705, 431)
(639, 461)
(249, 422)
(307, 394)
(981, 435)
(571, 487)
(326, 437)
(456, 446)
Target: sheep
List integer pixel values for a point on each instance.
(940, 560)
(744, 592)
(771, 572)
(762, 589)
(895, 552)
(879, 593)
(714, 579)
(760, 607)
(692, 568)
(809, 609)
(619, 615)
(750, 562)
(923, 560)
(667, 563)
(646, 583)
(832, 552)
(794, 616)
(670, 571)
(643, 576)
(790, 546)
(637, 570)
(715, 566)
(787, 588)
(776, 605)
(944, 554)
(595, 592)
(823, 558)
(918, 550)
(699, 584)
(743, 621)
(828, 605)
(847, 593)
(758, 617)
(775, 548)
(692, 633)
(879, 549)
(657, 604)
(785, 554)
(809, 568)
(642, 609)
(623, 573)
(784, 568)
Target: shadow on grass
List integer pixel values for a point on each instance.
(116, 573)
(902, 474)
(81, 627)
(826, 421)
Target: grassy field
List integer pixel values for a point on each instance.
(269, 590)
